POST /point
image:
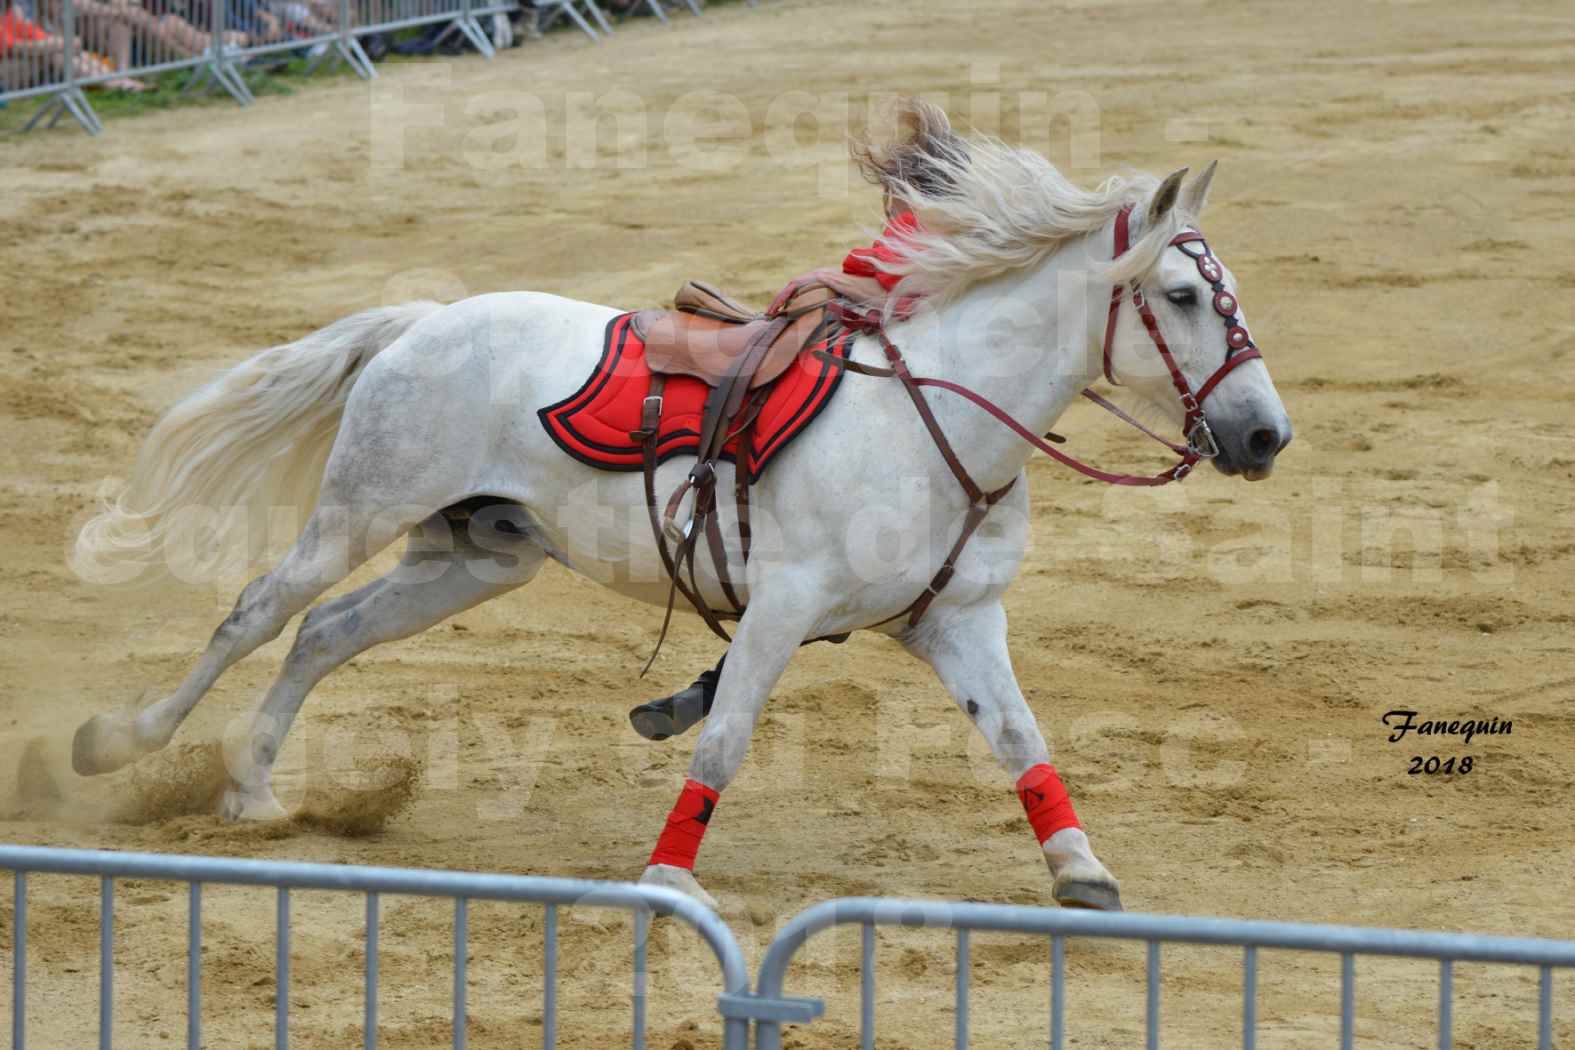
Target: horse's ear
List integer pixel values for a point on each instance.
(1197, 192)
(1165, 197)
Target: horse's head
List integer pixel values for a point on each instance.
(1177, 336)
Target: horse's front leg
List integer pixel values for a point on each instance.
(967, 647)
(781, 614)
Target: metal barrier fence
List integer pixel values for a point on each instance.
(766, 1007)
(1058, 924)
(383, 16)
(642, 901)
(59, 47)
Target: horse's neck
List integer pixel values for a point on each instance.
(1022, 341)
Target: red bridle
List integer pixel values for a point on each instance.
(1239, 347)
(1200, 441)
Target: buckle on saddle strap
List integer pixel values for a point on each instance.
(677, 534)
(650, 418)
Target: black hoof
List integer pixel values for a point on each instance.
(1092, 895)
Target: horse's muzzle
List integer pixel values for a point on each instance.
(1252, 454)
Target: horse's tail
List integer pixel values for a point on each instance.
(222, 460)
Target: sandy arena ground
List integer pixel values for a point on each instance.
(1211, 663)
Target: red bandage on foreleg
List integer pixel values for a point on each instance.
(680, 839)
(1046, 802)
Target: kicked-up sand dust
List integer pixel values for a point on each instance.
(393, 783)
(1211, 662)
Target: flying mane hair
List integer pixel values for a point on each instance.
(985, 208)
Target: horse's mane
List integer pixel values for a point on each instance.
(985, 208)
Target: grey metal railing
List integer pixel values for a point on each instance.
(384, 16)
(142, 38)
(83, 43)
(1059, 924)
(766, 1006)
(147, 37)
(374, 883)
(550, 10)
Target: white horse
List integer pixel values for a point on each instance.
(430, 412)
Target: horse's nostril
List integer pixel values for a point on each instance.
(1263, 443)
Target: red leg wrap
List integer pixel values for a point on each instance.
(680, 839)
(1046, 802)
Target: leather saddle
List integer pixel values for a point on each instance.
(712, 337)
(738, 352)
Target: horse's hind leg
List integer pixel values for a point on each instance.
(490, 554)
(335, 541)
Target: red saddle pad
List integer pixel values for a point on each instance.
(594, 423)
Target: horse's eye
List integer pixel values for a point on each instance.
(1182, 296)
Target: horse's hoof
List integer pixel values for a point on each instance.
(252, 804)
(1080, 893)
(681, 879)
(103, 744)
